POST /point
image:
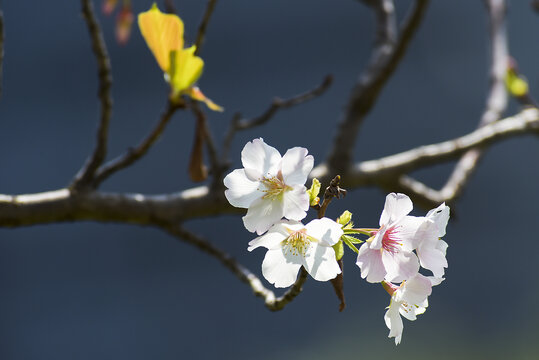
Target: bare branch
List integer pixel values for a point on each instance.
(1, 47)
(384, 60)
(136, 153)
(86, 174)
(63, 205)
(386, 169)
(241, 272)
(496, 104)
(216, 168)
(243, 124)
(204, 25)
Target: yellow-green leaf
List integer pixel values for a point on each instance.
(339, 250)
(313, 192)
(349, 241)
(345, 218)
(185, 68)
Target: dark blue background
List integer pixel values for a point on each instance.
(104, 291)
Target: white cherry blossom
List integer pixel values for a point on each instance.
(270, 186)
(389, 253)
(409, 300)
(431, 251)
(292, 245)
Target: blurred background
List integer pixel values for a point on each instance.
(108, 291)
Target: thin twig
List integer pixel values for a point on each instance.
(238, 123)
(136, 153)
(209, 141)
(244, 274)
(1, 47)
(86, 174)
(385, 57)
(204, 25)
(496, 103)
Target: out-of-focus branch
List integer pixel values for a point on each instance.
(496, 104)
(386, 169)
(85, 175)
(204, 25)
(216, 167)
(136, 153)
(63, 205)
(1, 47)
(241, 272)
(388, 52)
(243, 124)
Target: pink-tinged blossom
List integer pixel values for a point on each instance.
(389, 253)
(409, 300)
(431, 251)
(270, 186)
(292, 245)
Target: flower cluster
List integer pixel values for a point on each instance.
(272, 189)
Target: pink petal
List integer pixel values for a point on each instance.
(396, 207)
(370, 263)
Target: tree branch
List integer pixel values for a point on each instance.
(241, 272)
(243, 124)
(85, 175)
(496, 104)
(204, 25)
(384, 60)
(216, 167)
(386, 169)
(63, 205)
(136, 153)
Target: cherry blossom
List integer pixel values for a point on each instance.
(292, 245)
(432, 250)
(388, 254)
(409, 300)
(270, 186)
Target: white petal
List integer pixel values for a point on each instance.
(296, 203)
(325, 230)
(442, 246)
(416, 290)
(320, 262)
(435, 280)
(396, 207)
(296, 166)
(400, 266)
(408, 311)
(440, 216)
(260, 159)
(241, 192)
(281, 269)
(432, 258)
(262, 214)
(393, 321)
(273, 238)
(370, 263)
